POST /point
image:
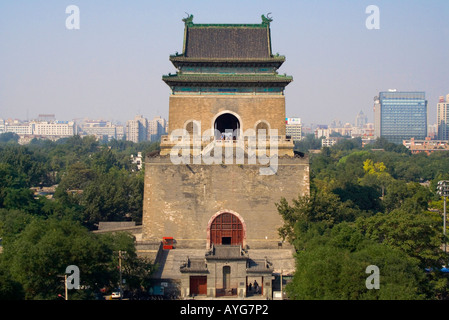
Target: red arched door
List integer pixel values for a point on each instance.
(226, 229)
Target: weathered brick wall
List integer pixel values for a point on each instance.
(180, 200)
(250, 109)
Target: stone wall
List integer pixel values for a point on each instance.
(180, 200)
(249, 109)
(237, 277)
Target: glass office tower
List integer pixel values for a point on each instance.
(443, 118)
(400, 115)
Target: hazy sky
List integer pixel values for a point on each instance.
(111, 67)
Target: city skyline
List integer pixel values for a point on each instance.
(112, 67)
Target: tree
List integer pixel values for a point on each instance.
(11, 178)
(37, 257)
(348, 144)
(323, 207)
(104, 160)
(43, 250)
(375, 174)
(113, 196)
(382, 143)
(415, 233)
(366, 198)
(377, 194)
(309, 142)
(333, 266)
(77, 177)
(9, 137)
(136, 270)
(398, 193)
(26, 164)
(9, 288)
(12, 222)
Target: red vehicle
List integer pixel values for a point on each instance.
(167, 243)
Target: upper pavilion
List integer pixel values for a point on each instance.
(227, 59)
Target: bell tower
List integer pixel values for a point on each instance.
(220, 216)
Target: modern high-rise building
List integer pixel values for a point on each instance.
(400, 115)
(360, 120)
(142, 129)
(293, 128)
(102, 130)
(57, 129)
(157, 128)
(137, 129)
(2, 126)
(443, 118)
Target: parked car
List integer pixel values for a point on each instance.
(116, 294)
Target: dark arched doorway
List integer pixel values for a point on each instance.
(226, 229)
(226, 124)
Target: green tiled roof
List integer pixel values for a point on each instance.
(203, 59)
(217, 79)
(275, 61)
(265, 22)
(227, 46)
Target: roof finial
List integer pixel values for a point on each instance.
(189, 19)
(267, 19)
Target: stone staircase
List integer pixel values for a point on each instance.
(169, 261)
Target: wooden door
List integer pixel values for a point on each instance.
(198, 284)
(226, 229)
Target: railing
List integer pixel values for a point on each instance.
(206, 140)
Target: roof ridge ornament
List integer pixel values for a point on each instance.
(188, 20)
(266, 20)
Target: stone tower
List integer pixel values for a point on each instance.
(224, 164)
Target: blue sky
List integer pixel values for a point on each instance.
(111, 67)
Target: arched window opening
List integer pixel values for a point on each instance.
(262, 128)
(227, 127)
(191, 128)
